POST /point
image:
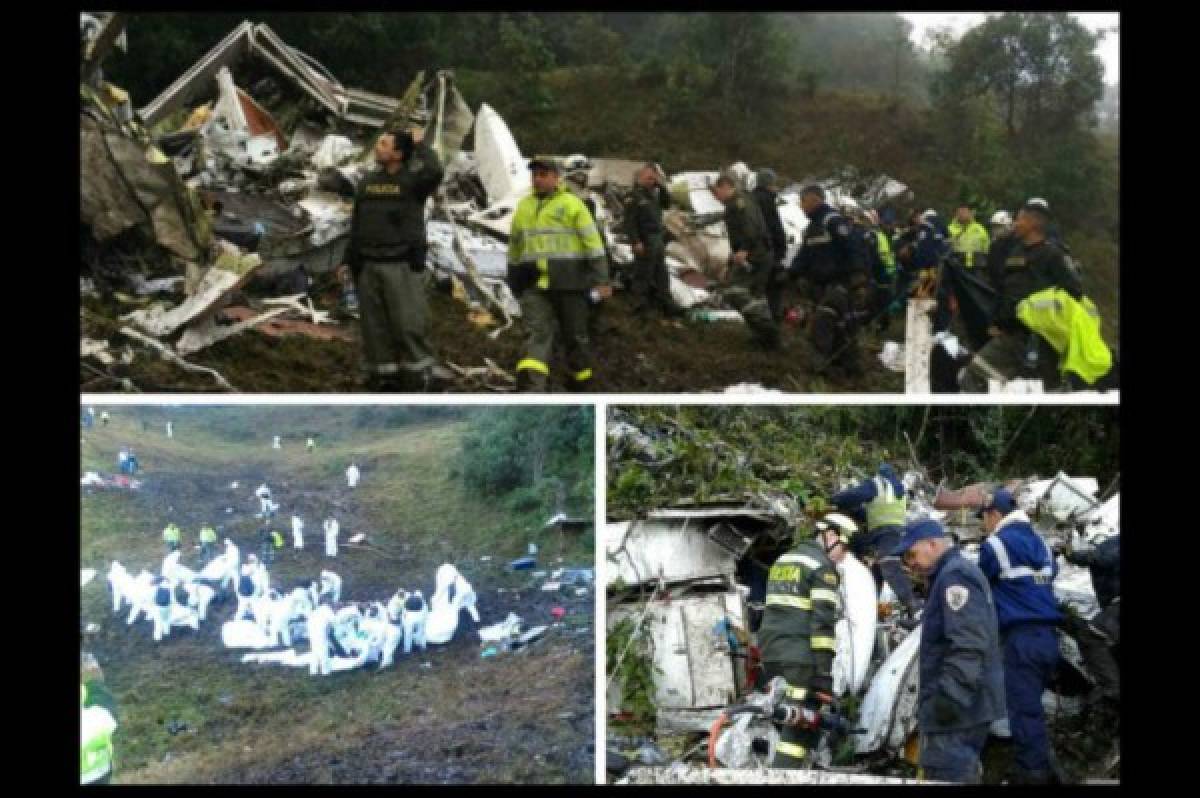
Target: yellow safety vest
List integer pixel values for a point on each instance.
(885, 251)
(1072, 328)
(968, 240)
(558, 236)
(95, 742)
(171, 534)
(885, 509)
(208, 535)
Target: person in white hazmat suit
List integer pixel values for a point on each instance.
(275, 443)
(331, 586)
(412, 613)
(170, 430)
(252, 586)
(331, 536)
(352, 475)
(297, 532)
(453, 594)
(319, 621)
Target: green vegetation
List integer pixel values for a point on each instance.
(703, 452)
(632, 668)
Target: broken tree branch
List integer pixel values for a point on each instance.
(167, 354)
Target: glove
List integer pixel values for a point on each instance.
(945, 711)
(520, 277)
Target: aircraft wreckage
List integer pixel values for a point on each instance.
(680, 578)
(223, 188)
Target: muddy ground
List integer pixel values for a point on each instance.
(632, 355)
(444, 715)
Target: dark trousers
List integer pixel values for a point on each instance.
(651, 280)
(1003, 357)
(1097, 639)
(395, 322)
(878, 544)
(747, 294)
(953, 756)
(796, 745)
(549, 314)
(1030, 660)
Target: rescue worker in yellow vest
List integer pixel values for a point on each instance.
(882, 503)
(96, 727)
(386, 256)
(1041, 313)
(968, 238)
(171, 537)
(556, 266)
(797, 636)
(208, 541)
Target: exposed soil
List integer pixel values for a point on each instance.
(632, 355)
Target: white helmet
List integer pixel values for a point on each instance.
(843, 525)
(930, 212)
(1040, 203)
(1002, 217)
(573, 162)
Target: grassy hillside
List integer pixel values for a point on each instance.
(459, 719)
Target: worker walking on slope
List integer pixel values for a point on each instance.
(1020, 567)
(331, 537)
(644, 227)
(171, 537)
(881, 500)
(309, 445)
(797, 636)
(386, 256)
(297, 532)
(961, 676)
(750, 262)
(556, 263)
(352, 475)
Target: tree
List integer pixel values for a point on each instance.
(1040, 70)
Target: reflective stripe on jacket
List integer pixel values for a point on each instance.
(1072, 328)
(556, 236)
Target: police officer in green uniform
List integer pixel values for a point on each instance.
(556, 266)
(644, 227)
(386, 255)
(797, 636)
(1031, 264)
(750, 261)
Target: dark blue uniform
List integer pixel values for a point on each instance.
(1020, 567)
(961, 676)
(1098, 638)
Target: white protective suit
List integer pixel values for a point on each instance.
(331, 536)
(330, 585)
(319, 621)
(352, 475)
(453, 594)
(297, 532)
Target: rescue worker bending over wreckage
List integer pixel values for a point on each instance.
(1021, 568)
(835, 277)
(881, 499)
(797, 635)
(555, 260)
(644, 226)
(750, 261)
(1041, 314)
(386, 256)
(960, 673)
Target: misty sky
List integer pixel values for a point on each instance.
(960, 22)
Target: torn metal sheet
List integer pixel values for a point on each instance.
(497, 218)
(502, 169)
(918, 345)
(89, 347)
(690, 192)
(207, 332)
(278, 328)
(694, 667)
(889, 709)
(186, 89)
(856, 629)
(229, 273)
(144, 287)
(674, 550)
(489, 254)
(451, 120)
(129, 185)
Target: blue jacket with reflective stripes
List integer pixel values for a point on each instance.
(1020, 567)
